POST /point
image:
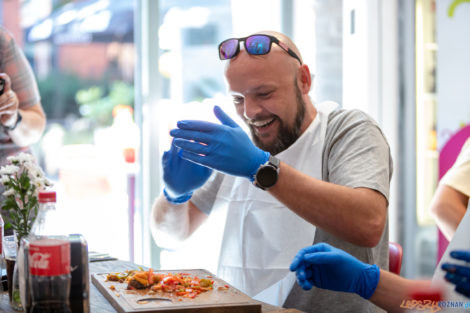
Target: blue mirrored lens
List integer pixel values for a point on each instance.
(228, 49)
(258, 44)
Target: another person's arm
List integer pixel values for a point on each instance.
(29, 129)
(448, 207)
(21, 95)
(450, 200)
(393, 291)
(327, 267)
(459, 274)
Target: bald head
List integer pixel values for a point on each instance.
(283, 39)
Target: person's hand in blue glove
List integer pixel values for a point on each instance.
(224, 147)
(327, 267)
(459, 275)
(181, 177)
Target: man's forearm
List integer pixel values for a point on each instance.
(393, 291)
(355, 215)
(171, 224)
(31, 127)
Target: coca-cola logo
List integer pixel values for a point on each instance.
(40, 260)
(49, 257)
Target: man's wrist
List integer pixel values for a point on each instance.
(19, 118)
(177, 200)
(262, 161)
(267, 174)
(370, 280)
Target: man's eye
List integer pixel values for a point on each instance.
(264, 94)
(238, 100)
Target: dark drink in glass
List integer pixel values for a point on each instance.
(10, 264)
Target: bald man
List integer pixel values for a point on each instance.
(309, 173)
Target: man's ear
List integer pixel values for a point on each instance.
(304, 79)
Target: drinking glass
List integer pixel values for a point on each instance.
(9, 250)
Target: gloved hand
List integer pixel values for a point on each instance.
(181, 177)
(459, 275)
(327, 267)
(226, 148)
(9, 103)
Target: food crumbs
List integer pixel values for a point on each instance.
(112, 287)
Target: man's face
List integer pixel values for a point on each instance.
(267, 98)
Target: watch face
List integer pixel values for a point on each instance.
(266, 176)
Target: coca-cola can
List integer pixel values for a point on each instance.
(80, 286)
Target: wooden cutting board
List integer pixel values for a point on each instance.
(214, 301)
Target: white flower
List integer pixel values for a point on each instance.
(9, 169)
(9, 192)
(21, 158)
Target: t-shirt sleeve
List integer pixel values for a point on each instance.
(15, 64)
(357, 153)
(458, 177)
(204, 197)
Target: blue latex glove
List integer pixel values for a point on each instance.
(459, 275)
(181, 177)
(226, 148)
(327, 267)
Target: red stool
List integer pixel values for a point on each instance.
(395, 254)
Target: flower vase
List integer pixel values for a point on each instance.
(15, 293)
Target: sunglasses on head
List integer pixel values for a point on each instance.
(254, 45)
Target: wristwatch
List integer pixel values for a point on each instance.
(267, 174)
(18, 120)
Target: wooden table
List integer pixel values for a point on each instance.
(99, 304)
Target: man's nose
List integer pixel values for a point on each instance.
(251, 109)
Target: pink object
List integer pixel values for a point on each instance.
(447, 157)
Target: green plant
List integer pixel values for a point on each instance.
(58, 91)
(94, 103)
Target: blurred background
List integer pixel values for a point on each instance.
(115, 76)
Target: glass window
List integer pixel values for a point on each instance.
(82, 53)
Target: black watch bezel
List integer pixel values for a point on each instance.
(267, 174)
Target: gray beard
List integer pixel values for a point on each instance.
(287, 135)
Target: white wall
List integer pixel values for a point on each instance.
(453, 63)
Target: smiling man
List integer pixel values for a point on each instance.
(309, 173)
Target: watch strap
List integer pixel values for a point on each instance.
(18, 120)
(274, 162)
